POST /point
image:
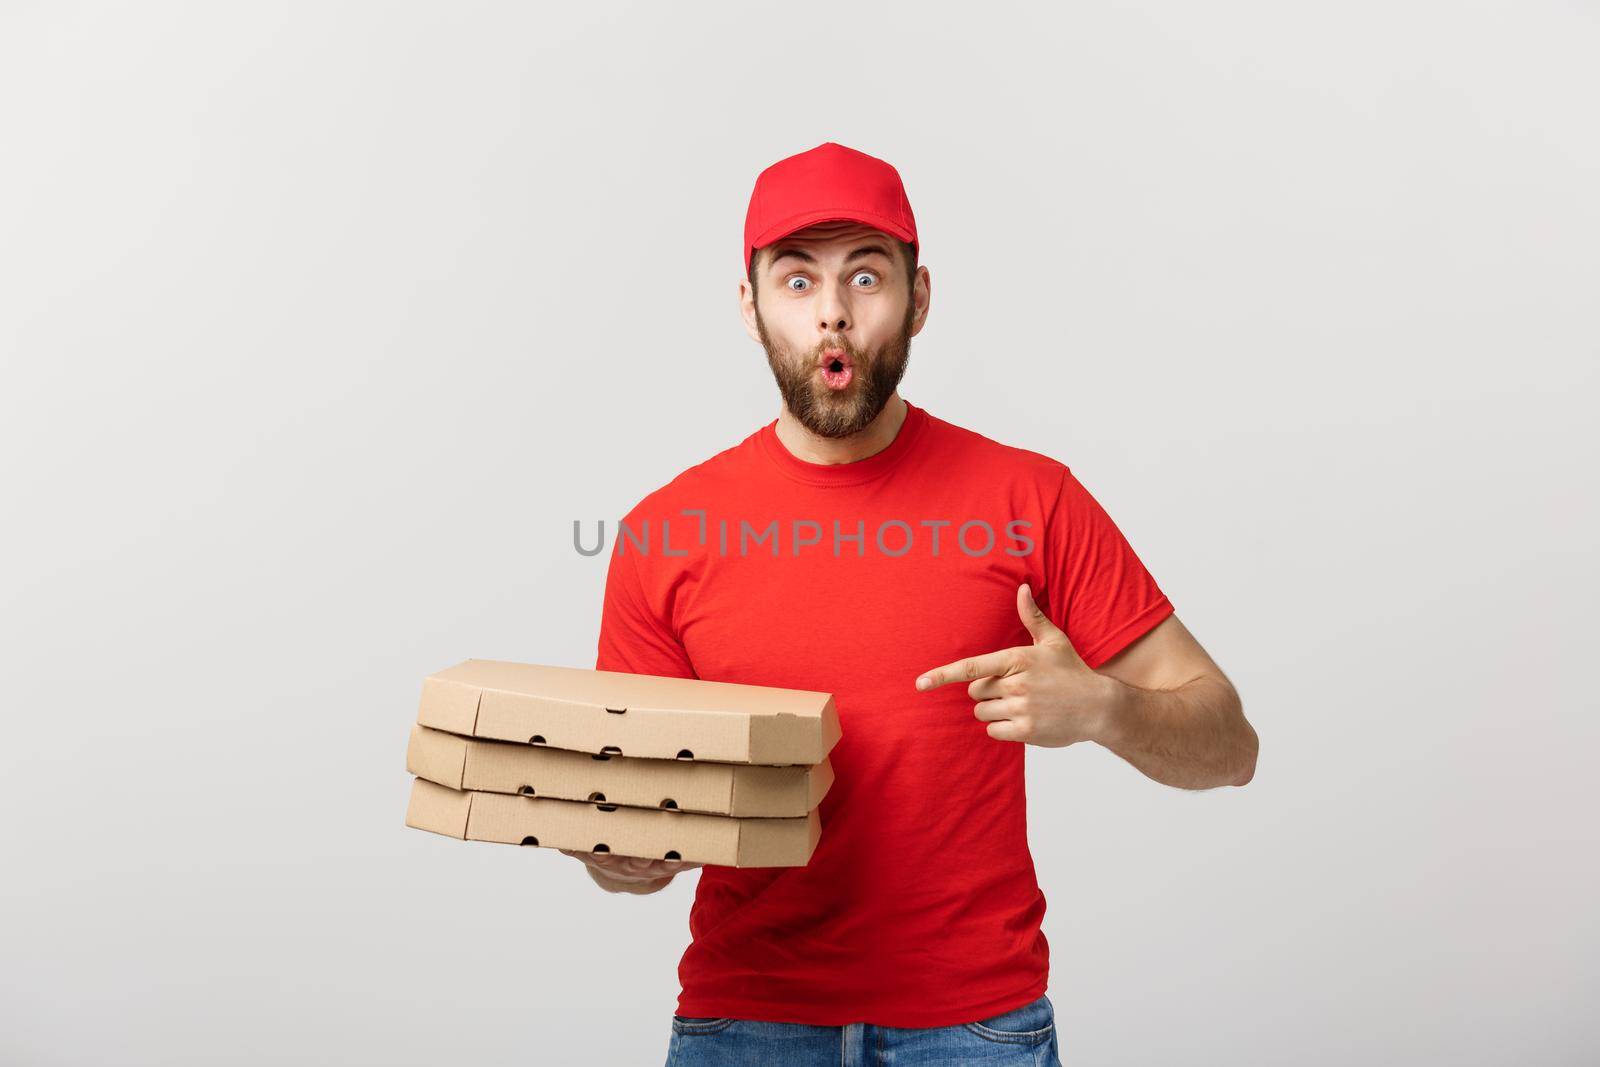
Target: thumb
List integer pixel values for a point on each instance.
(1039, 625)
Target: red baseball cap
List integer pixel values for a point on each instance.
(821, 184)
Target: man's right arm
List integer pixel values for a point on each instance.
(634, 639)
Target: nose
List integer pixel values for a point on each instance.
(833, 313)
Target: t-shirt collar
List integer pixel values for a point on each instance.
(854, 473)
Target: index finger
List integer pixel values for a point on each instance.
(969, 669)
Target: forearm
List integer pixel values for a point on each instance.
(1192, 737)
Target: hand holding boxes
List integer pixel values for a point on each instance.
(635, 765)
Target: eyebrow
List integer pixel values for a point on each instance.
(801, 254)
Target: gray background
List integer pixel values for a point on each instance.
(321, 323)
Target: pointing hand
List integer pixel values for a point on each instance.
(1039, 694)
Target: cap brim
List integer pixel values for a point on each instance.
(799, 222)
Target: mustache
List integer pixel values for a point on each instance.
(841, 343)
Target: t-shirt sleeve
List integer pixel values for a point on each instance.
(1097, 589)
(635, 637)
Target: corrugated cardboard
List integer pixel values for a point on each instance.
(630, 714)
(646, 832)
(632, 781)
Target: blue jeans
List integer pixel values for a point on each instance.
(1023, 1037)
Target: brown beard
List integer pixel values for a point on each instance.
(817, 407)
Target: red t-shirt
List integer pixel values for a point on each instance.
(920, 906)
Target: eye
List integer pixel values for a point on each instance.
(867, 274)
(804, 284)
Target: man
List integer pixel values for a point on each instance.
(960, 598)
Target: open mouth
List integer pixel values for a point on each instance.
(838, 369)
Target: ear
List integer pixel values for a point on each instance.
(747, 303)
(747, 310)
(921, 293)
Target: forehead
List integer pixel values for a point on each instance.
(835, 230)
(833, 238)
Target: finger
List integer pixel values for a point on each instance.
(631, 869)
(1007, 730)
(973, 667)
(1038, 623)
(624, 866)
(995, 710)
(986, 688)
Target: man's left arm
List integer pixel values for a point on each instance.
(1174, 715)
(1161, 703)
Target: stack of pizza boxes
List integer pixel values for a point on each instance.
(629, 764)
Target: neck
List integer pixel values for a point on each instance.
(871, 439)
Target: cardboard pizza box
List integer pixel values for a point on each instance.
(612, 713)
(632, 781)
(653, 833)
